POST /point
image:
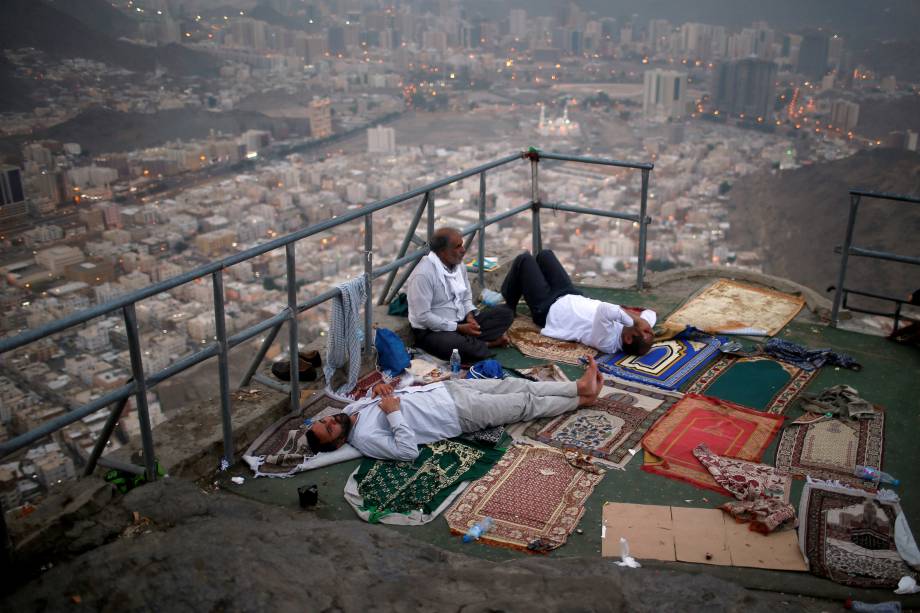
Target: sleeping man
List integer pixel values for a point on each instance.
(392, 424)
(565, 314)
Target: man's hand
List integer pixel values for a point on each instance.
(382, 389)
(469, 328)
(389, 404)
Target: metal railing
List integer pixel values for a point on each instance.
(140, 383)
(848, 249)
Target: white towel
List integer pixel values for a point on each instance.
(454, 282)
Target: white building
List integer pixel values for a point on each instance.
(381, 140)
(664, 94)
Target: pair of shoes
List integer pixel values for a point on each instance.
(307, 364)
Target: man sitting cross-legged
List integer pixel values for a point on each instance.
(565, 314)
(392, 425)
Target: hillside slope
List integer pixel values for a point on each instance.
(796, 218)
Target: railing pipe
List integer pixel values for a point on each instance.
(104, 435)
(643, 228)
(884, 255)
(536, 239)
(601, 161)
(140, 395)
(884, 196)
(429, 198)
(293, 339)
(589, 211)
(482, 232)
(844, 256)
(263, 349)
(368, 282)
(404, 247)
(223, 364)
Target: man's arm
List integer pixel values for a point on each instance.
(609, 321)
(401, 446)
(421, 294)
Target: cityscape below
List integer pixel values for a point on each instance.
(142, 139)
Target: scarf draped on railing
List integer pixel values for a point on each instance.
(345, 335)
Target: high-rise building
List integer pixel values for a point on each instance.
(745, 87)
(11, 190)
(517, 22)
(813, 55)
(381, 140)
(665, 94)
(319, 112)
(844, 115)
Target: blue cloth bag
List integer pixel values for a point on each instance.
(392, 357)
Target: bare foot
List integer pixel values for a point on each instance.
(501, 341)
(589, 384)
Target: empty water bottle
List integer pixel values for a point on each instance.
(892, 606)
(477, 530)
(455, 364)
(875, 475)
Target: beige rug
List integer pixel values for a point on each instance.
(727, 307)
(526, 337)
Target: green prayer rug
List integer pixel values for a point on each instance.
(417, 491)
(756, 382)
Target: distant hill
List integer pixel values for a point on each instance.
(796, 218)
(98, 15)
(879, 117)
(105, 131)
(31, 23)
(15, 92)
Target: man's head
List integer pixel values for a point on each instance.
(635, 341)
(329, 433)
(447, 243)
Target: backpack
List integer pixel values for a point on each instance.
(399, 306)
(392, 357)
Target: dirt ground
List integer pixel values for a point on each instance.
(188, 549)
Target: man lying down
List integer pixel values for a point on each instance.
(392, 424)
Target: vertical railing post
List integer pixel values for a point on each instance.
(223, 364)
(429, 196)
(368, 280)
(643, 229)
(536, 238)
(404, 248)
(260, 355)
(292, 326)
(482, 231)
(844, 256)
(140, 381)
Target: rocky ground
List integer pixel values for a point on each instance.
(171, 546)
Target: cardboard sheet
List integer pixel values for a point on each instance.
(704, 536)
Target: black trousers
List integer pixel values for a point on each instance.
(493, 322)
(540, 280)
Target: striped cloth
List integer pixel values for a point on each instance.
(345, 335)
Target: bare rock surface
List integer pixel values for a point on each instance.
(185, 549)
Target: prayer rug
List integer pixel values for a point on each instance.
(610, 428)
(761, 490)
(756, 382)
(533, 495)
(542, 372)
(417, 489)
(726, 428)
(668, 364)
(848, 535)
(830, 448)
(365, 383)
(282, 450)
(526, 337)
(727, 307)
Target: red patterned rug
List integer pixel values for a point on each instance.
(726, 428)
(533, 495)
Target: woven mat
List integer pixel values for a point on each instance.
(848, 536)
(668, 365)
(831, 448)
(282, 448)
(757, 382)
(726, 428)
(727, 306)
(609, 429)
(421, 486)
(526, 337)
(533, 495)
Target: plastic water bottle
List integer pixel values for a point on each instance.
(875, 475)
(477, 530)
(455, 364)
(892, 606)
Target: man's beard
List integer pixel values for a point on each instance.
(345, 421)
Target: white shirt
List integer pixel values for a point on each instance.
(426, 414)
(430, 305)
(592, 322)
